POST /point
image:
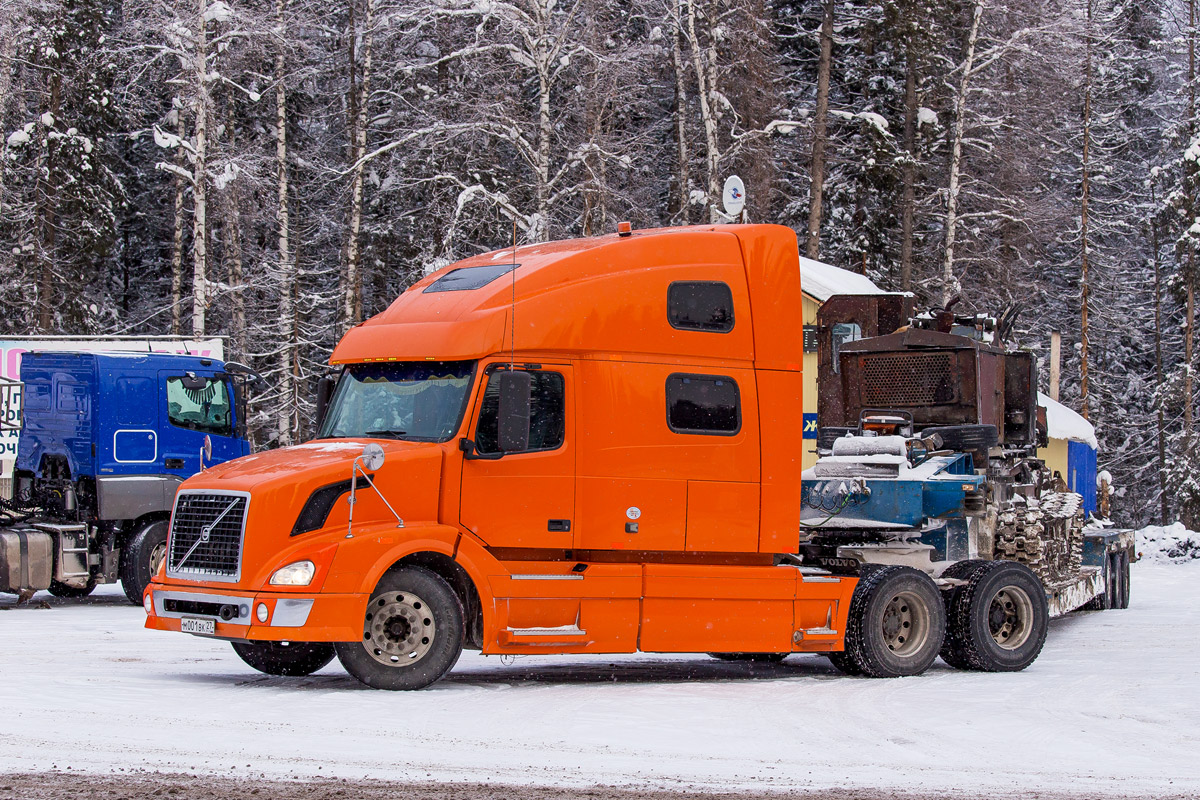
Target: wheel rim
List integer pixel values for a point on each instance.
(1010, 615)
(398, 629)
(156, 558)
(905, 624)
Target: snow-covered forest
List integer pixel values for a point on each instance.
(276, 170)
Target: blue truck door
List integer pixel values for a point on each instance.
(197, 403)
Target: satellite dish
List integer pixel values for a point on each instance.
(372, 456)
(733, 197)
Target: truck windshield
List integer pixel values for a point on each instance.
(420, 401)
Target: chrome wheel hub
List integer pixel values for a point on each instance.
(398, 629)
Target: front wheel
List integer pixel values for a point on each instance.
(295, 659)
(997, 618)
(896, 623)
(141, 557)
(412, 632)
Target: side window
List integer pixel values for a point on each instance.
(547, 413)
(706, 404)
(700, 306)
(843, 332)
(199, 404)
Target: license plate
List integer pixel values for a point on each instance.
(196, 625)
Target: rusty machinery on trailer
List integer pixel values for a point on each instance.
(947, 383)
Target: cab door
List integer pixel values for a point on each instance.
(198, 403)
(525, 498)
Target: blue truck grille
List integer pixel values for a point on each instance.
(206, 536)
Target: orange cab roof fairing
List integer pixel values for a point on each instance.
(600, 295)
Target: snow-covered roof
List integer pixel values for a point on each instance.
(1063, 423)
(823, 281)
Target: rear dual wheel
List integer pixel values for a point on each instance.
(896, 623)
(997, 618)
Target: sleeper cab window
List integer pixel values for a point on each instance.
(700, 306)
(547, 413)
(704, 404)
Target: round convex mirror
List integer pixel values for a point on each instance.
(372, 456)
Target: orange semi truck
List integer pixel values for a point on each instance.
(585, 446)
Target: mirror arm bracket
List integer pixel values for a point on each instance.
(471, 454)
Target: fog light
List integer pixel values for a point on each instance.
(298, 574)
(261, 612)
(148, 603)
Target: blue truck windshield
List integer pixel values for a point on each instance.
(421, 401)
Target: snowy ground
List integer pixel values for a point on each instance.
(1111, 708)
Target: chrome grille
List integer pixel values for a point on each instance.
(206, 535)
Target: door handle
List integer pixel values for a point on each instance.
(173, 463)
(559, 525)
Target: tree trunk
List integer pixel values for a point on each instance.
(200, 178)
(288, 355)
(177, 241)
(816, 192)
(707, 115)
(960, 110)
(1189, 327)
(352, 290)
(1158, 367)
(909, 200)
(46, 203)
(1085, 196)
(681, 118)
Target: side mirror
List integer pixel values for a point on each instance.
(206, 451)
(324, 394)
(372, 457)
(193, 382)
(512, 433)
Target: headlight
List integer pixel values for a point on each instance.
(298, 574)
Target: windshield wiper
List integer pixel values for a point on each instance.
(385, 434)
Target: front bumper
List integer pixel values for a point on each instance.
(291, 617)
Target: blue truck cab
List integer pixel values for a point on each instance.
(106, 439)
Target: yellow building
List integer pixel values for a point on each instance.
(819, 282)
(1071, 450)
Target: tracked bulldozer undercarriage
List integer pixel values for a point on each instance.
(1046, 536)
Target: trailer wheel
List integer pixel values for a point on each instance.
(960, 570)
(762, 658)
(412, 632)
(141, 557)
(896, 622)
(1121, 573)
(997, 620)
(60, 589)
(295, 659)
